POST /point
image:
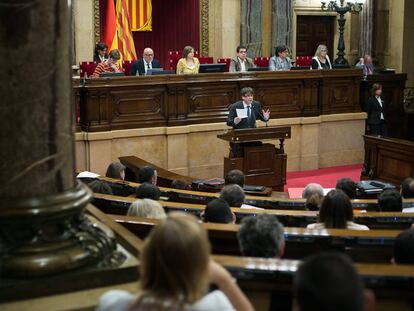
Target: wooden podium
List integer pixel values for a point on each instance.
(263, 164)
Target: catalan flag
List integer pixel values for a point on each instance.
(126, 44)
(141, 15)
(110, 36)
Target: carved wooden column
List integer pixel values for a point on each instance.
(42, 227)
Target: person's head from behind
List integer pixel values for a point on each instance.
(100, 186)
(313, 193)
(146, 208)
(321, 51)
(147, 174)
(116, 170)
(407, 188)
(281, 51)
(175, 259)
(390, 201)
(261, 236)
(348, 186)
(233, 195)
(241, 52)
(100, 49)
(148, 191)
(336, 210)
(148, 55)
(179, 184)
(235, 177)
(404, 247)
(328, 281)
(247, 94)
(188, 52)
(218, 211)
(114, 57)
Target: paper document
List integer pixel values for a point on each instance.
(241, 113)
(87, 174)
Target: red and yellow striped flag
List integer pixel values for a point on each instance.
(126, 44)
(110, 36)
(141, 15)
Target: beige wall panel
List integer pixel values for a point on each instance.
(84, 29)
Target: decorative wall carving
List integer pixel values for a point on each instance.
(97, 24)
(204, 5)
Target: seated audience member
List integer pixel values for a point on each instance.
(148, 191)
(348, 186)
(321, 58)
(313, 193)
(235, 177)
(233, 195)
(365, 63)
(241, 62)
(188, 64)
(404, 247)
(336, 212)
(109, 65)
(261, 236)
(100, 52)
(328, 281)
(390, 201)
(180, 184)
(116, 170)
(141, 66)
(407, 188)
(178, 281)
(280, 61)
(218, 211)
(147, 174)
(100, 186)
(146, 208)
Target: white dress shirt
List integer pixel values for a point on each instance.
(146, 67)
(380, 102)
(242, 65)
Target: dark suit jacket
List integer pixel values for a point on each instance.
(139, 66)
(374, 110)
(256, 113)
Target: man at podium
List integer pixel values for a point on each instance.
(244, 113)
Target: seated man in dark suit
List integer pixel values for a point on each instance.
(141, 66)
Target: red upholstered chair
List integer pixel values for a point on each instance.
(174, 57)
(303, 61)
(87, 68)
(262, 61)
(126, 66)
(206, 60)
(224, 61)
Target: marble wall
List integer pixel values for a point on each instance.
(195, 150)
(83, 17)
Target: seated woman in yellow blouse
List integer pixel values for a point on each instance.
(188, 64)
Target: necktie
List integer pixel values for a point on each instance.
(148, 66)
(248, 113)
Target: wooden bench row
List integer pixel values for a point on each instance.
(197, 197)
(375, 220)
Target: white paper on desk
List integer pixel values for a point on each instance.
(241, 113)
(87, 174)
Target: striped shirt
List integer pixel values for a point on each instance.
(103, 67)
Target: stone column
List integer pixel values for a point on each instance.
(251, 27)
(41, 206)
(281, 23)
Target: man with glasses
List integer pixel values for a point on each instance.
(141, 66)
(241, 62)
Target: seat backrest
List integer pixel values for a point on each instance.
(262, 61)
(126, 66)
(206, 60)
(173, 58)
(303, 61)
(224, 61)
(87, 68)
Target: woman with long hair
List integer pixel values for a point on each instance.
(176, 271)
(188, 64)
(321, 59)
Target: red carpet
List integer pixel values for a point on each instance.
(327, 177)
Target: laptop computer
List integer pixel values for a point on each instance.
(208, 68)
(258, 69)
(111, 74)
(159, 71)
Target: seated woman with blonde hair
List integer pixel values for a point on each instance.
(176, 271)
(321, 59)
(188, 64)
(146, 208)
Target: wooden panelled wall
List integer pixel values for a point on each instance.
(173, 100)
